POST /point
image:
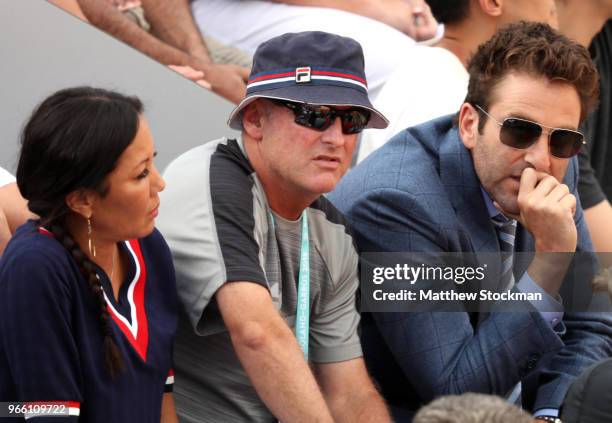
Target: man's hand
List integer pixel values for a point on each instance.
(412, 17)
(423, 22)
(547, 209)
(192, 74)
(228, 81)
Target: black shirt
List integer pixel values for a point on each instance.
(595, 183)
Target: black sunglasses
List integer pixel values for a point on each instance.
(320, 118)
(521, 133)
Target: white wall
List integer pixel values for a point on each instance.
(43, 49)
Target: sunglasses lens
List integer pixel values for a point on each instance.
(322, 117)
(564, 143)
(518, 133)
(354, 121)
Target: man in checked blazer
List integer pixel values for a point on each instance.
(438, 187)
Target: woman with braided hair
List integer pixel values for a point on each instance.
(88, 306)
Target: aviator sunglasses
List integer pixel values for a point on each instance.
(521, 133)
(320, 118)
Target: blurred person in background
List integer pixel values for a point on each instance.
(471, 408)
(385, 29)
(589, 22)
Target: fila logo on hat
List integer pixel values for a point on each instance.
(302, 75)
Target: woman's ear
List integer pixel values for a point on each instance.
(81, 201)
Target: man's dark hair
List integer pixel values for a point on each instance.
(449, 11)
(537, 50)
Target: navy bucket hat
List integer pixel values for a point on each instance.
(312, 67)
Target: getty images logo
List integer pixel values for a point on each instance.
(302, 75)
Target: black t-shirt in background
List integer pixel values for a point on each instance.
(595, 177)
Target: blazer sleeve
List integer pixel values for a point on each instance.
(441, 351)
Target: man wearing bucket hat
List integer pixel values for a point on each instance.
(266, 266)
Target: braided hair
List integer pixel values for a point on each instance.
(72, 141)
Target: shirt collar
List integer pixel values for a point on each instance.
(491, 209)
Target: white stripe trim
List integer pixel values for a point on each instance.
(130, 295)
(271, 81)
(338, 78)
(170, 380)
(292, 78)
(72, 411)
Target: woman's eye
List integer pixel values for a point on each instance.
(144, 174)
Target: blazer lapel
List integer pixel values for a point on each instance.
(463, 188)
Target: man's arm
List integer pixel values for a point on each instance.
(70, 6)
(349, 392)
(13, 212)
(103, 15)
(168, 413)
(226, 80)
(172, 22)
(270, 354)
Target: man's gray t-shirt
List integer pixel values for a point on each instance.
(216, 219)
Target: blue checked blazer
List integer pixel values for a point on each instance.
(420, 192)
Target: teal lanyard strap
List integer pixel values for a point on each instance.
(302, 318)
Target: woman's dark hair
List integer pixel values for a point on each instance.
(73, 141)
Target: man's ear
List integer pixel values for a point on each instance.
(491, 7)
(468, 125)
(252, 120)
(81, 201)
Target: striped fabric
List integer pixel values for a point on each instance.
(312, 76)
(506, 230)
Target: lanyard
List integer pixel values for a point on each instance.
(302, 318)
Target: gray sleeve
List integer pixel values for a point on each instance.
(333, 331)
(187, 221)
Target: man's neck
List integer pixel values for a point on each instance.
(582, 20)
(462, 41)
(285, 203)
